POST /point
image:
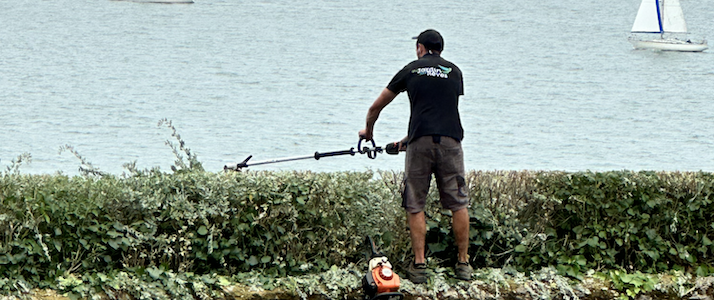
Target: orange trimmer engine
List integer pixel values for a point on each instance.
(380, 282)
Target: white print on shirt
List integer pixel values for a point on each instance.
(441, 72)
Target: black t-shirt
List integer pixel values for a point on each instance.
(434, 86)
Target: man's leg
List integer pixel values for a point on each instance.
(453, 192)
(460, 223)
(416, 271)
(417, 176)
(417, 231)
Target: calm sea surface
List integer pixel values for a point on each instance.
(550, 85)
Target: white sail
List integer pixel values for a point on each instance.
(673, 17)
(647, 19)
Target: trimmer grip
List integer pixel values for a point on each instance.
(318, 155)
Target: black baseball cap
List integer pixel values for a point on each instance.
(431, 39)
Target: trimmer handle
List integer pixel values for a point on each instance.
(371, 153)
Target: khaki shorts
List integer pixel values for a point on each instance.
(445, 160)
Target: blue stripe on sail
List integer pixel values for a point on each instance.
(659, 16)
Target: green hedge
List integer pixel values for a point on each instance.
(187, 222)
(288, 223)
(644, 221)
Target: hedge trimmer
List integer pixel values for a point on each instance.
(391, 148)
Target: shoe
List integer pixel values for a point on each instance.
(463, 271)
(416, 273)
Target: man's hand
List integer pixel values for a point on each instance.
(403, 143)
(363, 134)
(396, 147)
(402, 146)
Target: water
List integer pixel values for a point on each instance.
(552, 85)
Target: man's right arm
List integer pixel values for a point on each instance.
(384, 98)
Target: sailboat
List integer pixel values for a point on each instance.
(663, 17)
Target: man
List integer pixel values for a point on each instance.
(433, 85)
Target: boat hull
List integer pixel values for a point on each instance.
(161, 1)
(669, 45)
